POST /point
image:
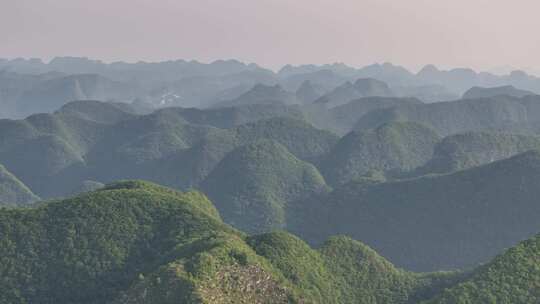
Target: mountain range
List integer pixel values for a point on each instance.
(32, 86)
(185, 182)
(135, 242)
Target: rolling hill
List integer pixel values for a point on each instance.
(512, 277)
(390, 147)
(342, 119)
(136, 242)
(91, 140)
(434, 222)
(494, 114)
(254, 185)
(51, 94)
(471, 149)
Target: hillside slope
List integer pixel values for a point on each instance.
(512, 277)
(390, 147)
(471, 149)
(434, 222)
(13, 191)
(495, 113)
(480, 92)
(254, 185)
(136, 242)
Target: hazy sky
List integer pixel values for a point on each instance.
(478, 33)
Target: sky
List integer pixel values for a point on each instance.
(481, 34)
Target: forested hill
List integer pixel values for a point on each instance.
(136, 242)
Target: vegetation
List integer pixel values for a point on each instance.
(423, 202)
(512, 277)
(434, 222)
(298, 136)
(472, 149)
(390, 147)
(89, 140)
(254, 185)
(100, 246)
(501, 113)
(136, 242)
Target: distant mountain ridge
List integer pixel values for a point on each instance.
(479, 92)
(262, 94)
(500, 113)
(350, 91)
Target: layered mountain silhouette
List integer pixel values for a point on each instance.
(377, 171)
(479, 92)
(471, 149)
(435, 222)
(50, 95)
(393, 146)
(342, 119)
(267, 179)
(266, 167)
(350, 91)
(309, 92)
(262, 94)
(501, 113)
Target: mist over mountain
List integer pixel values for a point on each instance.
(478, 92)
(385, 177)
(269, 152)
(518, 115)
(33, 86)
(261, 94)
(349, 91)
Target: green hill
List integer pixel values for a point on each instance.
(495, 113)
(188, 167)
(86, 186)
(46, 164)
(390, 147)
(91, 140)
(254, 185)
(346, 271)
(230, 117)
(434, 222)
(471, 149)
(136, 242)
(300, 138)
(512, 277)
(13, 191)
(128, 243)
(343, 118)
